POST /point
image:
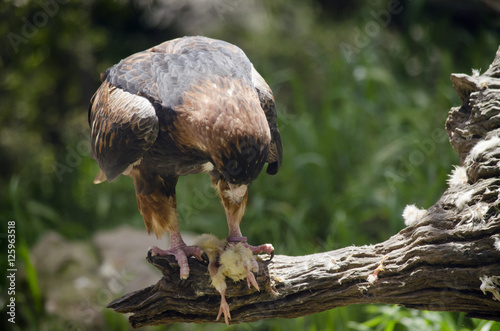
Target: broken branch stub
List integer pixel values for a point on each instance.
(448, 259)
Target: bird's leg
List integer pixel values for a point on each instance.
(234, 213)
(234, 206)
(234, 198)
(157, 203)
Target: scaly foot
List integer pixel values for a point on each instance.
(181, 253)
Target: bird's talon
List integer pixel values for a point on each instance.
(181, 254)
(205, 258)
(270, 258)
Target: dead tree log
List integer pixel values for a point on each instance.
(447, 259)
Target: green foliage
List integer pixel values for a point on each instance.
(392, 318)
(362, 126)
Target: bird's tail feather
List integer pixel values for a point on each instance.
(101, 177)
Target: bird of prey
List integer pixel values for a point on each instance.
(187, 106)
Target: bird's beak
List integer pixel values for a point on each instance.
(237, 192)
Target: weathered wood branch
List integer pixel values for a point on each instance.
(448, 259)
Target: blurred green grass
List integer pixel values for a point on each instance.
(363, 135)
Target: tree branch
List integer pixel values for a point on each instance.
(448, 259)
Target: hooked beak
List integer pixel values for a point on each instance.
(236, 192)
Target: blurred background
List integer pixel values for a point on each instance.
(362, 90)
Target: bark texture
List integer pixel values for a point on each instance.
(447, 259)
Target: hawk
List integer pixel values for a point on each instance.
(187, 106)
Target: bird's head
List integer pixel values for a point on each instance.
(242, 162)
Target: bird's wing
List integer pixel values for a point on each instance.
(267, 103)
(122, 117)
(123, 112)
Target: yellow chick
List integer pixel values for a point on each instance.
(234, 261)
(212, 246)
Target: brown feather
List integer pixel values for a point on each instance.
(158, 212)
(210, 118)
(123, 127)
(156, 200)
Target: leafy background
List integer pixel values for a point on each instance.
(362, 98)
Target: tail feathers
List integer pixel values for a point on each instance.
(101, 177)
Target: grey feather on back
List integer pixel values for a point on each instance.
(166, 71)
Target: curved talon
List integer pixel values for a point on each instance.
(272, 255)
(205, 258)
